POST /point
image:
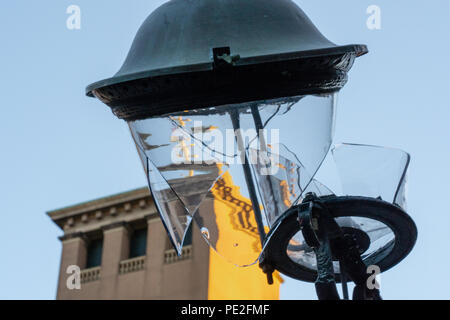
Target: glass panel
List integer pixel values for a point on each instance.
(179, 156)
(188, 237)
(206, 165)
(368, 171)
(285, 184)
(284, 171)
(318, 188)
(372, 171)
(402, 193)
(227, 221)
(381, 238)
(285, 142)
(180, 171)
(173, 213)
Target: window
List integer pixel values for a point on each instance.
(138, 243)
(94, 253)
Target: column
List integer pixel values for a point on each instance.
(115, 249)
(156, 246)
(74, 252)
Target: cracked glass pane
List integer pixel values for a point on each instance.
(284, 171)
(180, 170)
(367, 171)
(372, 171)
(207, 165)
(283, 142)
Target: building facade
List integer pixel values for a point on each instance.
(122, 251)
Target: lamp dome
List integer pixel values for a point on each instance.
(176, 53)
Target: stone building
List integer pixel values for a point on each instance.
(122, 249)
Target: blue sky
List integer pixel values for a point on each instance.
(61, 148)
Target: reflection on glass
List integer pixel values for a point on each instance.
(228, 222)
(381, 238)
(222, 166)
(177, 181)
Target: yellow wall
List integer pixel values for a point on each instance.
(229, 282)
(238, 242)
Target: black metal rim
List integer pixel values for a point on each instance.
(205, 86)
(391, 215)
(357, 50)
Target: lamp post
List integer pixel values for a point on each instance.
(232, 103)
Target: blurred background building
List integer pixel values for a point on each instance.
(123, 251)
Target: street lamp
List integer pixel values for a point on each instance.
(231, 105)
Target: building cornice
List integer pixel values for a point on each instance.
(101, 213)
(99, 203)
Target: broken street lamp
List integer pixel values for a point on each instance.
(231, 105)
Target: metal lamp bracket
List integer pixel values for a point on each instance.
(322, 233)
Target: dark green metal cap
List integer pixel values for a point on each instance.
(196, 53)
